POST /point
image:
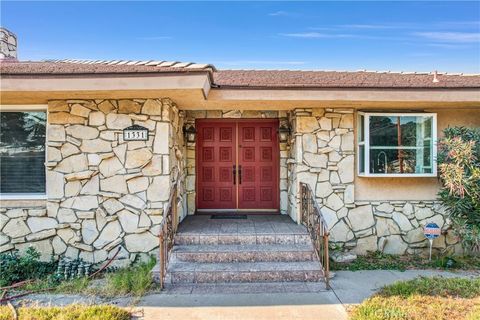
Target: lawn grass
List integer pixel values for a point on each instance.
(423, 298)
(382, 261)
(71, 312)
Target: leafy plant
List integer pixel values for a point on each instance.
(459, 165)
(15, 267)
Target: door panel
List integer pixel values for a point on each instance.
(237, 164)
(216, 155)
(258, 186)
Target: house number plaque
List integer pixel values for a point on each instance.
(135, 133)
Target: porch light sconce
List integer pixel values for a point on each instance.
(190, 133)
(283, 133)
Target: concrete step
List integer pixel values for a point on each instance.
(192, 272)
(184, 238)
(245, 288)
(244, 253)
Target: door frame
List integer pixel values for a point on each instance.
(277, 156)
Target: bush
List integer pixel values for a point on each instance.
(15, 267)
(459, 165)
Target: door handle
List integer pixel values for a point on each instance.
(234, 172)
(239, 174)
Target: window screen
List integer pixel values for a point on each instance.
(22, 152)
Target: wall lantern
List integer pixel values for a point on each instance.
(283, 133)
(190, 132)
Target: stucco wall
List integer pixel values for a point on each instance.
(102, 192)
(414, 188)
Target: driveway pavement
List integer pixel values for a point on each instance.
(348, 288)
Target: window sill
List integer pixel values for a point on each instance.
(399, 175)
(24, 196)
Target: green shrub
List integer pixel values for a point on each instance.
(15, 267)
(459, 166)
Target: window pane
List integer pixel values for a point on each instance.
(401, 144)
(361, 128)
(22, 152)
(393, 161)
(361, 159)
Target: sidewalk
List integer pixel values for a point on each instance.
(348, 288)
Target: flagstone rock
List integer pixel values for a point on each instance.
(73, 163)
(79, 110)
(16, 228)
(112, 206)
(316, 160)
(118, 121)
(56, 133)
(361, 217)
(138, 184)
(128, 106)
(92, 187)
(423, 213)
(69, 149)
(133, 201)
(159, 189)
(402, 221)
(160, 144)
(115, 184)
(41, 223)
(341, 232)
(111, 166)
(89, 231)
(307, 124)
(58, 245)
(66, 215)
(85, 203)
(309, 143)
(345, 169)
(334, 202)
(95, 146)
(82, 132)
(394, 245)
(143, 242)
(138, 158)
(152, 107)
(109, 233)
(128, 220)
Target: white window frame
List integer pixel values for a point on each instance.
(366, 144)
(27, 108)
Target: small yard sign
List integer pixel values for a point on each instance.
(431, 231)
(135, 133)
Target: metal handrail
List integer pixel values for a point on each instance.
(312, 218)
(168, 228)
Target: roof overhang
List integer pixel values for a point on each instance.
(194, 91)
(40, 89)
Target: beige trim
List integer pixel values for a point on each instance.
(23, 108)
(95, 83)
(443, 95)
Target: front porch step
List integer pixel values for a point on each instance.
(193, 272)
(241, 239)
(244, 253)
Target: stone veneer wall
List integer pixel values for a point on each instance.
(102, 192)
(322, 155)
(191, 115)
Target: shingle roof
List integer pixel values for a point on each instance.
(64, 67)
(246, 78)
(341, 79)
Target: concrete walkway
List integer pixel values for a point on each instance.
(347, 288)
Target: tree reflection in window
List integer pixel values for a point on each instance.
(22, 152)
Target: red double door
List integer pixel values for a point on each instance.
(237, 166)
